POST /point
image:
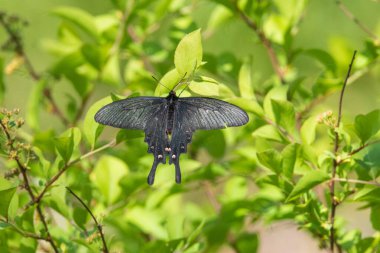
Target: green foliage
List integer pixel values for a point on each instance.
(296, 160)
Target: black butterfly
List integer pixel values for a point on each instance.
(169, 122)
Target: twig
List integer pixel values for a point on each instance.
(22, 168)
(334, 202)
(99, 227)
(357, 181)
(264, 40)
(25, 233)
(38, 198)
(351, 16)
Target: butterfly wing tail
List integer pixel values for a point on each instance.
(152, 172)
(177, 172)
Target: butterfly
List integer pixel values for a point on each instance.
(169, 122)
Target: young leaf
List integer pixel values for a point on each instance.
(271, 159)
(290, 155)
(268, 132)
(307, 182)
(188, 54)
(80, 18)
(107, 174)
(65, 146)
(5, 200)
(206, 89)
(308, 130)
(91, 129)
(170, 79)
(375, 217)
(367, 125)
(245, 80)
(284, 114)
(323, 57)
(2, 83)
(277, 93)
(247, 242)
(35, 104)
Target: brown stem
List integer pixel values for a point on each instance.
(351, 16)
(334, 202)
(264, 40)
(357, 181)
(99, 227)
(25, 233)
(22, 168)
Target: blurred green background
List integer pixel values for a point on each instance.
(169, 212)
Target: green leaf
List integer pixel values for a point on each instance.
(307, 182)
(80, 18)
(5, 200)
(268, 132)
(277, 93)
(271, 159)
(34, 105)
(247, 243)
(91, 128)
(93, 55)
(65, 146)
(308, 130)
(289, 158)
(170, 80)
(375, 217)
(245, 80)
(2, 83)
(323, 57)
(107, 174)
(367, 125)
(284, 115)
(188, 54)
(206, 89)
(148, 221)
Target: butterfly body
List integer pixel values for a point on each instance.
(169, 122)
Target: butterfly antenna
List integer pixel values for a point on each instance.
(189, 78)
(158, 81)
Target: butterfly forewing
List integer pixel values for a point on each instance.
(209, 113)
(130, 113)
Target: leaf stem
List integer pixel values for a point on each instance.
(99, 227)
(334, 202)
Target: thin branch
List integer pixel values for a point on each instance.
(64, 168)
(334, 202)
(357, 181)
(264, 40)
(22, 168)
(99, 227)
(25, 233)
(351, 16)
